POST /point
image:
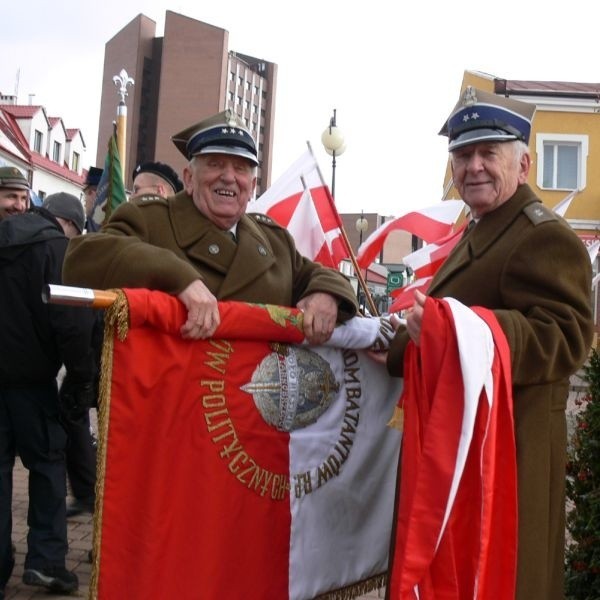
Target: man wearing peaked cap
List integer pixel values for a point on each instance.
(155, 178)
(202, 246)
(14, 192)
(526, 265)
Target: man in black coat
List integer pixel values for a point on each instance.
(36, 339)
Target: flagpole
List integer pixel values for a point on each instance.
(351, 255)
(122, 80)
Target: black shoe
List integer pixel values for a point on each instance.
(79, 507)
(55, 579)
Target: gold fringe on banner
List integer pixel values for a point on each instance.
(356, 589)
(116, 322)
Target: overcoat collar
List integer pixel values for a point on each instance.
(240, 263)
(489, 228)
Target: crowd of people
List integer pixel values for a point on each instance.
(193, 238)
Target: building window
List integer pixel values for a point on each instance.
(75, 162)
(56, 152)
(37, 141)
(562, 161)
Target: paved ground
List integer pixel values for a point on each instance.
(80, 542)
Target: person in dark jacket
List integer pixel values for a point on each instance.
(81, 446)
(36, 340)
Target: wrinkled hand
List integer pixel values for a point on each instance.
(203, 312)
(387, 330)
(76, 399)
(414, 317)
(320, 315)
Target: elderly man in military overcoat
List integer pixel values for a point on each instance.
(526, 264)
(200, 245)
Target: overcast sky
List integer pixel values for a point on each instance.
(392, 70)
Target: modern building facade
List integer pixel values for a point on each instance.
(184, 76)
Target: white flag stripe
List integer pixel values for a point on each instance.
(562, 207)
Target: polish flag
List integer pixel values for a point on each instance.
(404, 297)
(456, 534)
(301, 202)
(427, 260)
(234, 467)
(429, 224)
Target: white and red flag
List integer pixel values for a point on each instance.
(456, 534)
(427, 260)
(301, 202)
(430, 224)
(243, 466)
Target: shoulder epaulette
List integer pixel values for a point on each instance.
(263, 219)
(537, 213)
(148, 199)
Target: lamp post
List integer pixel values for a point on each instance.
(333, 141)
(361, 226)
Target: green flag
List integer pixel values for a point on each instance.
(111, 191)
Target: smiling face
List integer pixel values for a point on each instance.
(221, 186)
(13, 202)
(487, 174)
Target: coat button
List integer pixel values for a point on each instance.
(213, 249)
(262, 250)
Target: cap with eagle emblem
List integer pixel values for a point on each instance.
(223, 133)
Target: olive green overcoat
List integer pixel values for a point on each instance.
(528, 266)
(165, 244)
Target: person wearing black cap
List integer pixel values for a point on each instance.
(156, 178)
(90, 189)
(528, 266)
(202, 246)
(36, 340)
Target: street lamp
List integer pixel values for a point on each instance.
(333, 141)
(361, 226)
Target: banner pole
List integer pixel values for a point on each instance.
(77, 296)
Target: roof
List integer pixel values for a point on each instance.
(547, 88)
(49, 165)
(20, 111)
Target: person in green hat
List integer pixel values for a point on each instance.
(14, 192)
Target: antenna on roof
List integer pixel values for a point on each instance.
(17, 84)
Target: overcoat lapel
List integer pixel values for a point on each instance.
(206, 245)
(482, 237)
(254, 257)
